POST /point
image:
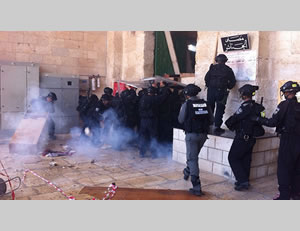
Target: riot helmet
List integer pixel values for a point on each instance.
(52, 96)
(191, 90)
(221, 58)
(108, 91)
(151, 90)
(290, 86)
(248, 90)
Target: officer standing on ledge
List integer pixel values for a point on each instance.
(196, 116)
(246, 132)
(218, 79)
(286, 119)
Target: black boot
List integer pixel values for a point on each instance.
(242, 186)
(186, 173)
(196, 190)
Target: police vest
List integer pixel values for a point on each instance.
(197, 117)
(249, 127)
(218, 76)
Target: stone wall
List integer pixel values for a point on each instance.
(213, 156)
(60, 52)
(130, 55)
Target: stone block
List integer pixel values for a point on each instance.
(210, 142)
(92, 55)
(203, 153)
(221, 170)
(58, 51)
(181, 157)
(175, 155)
(253, 173)
(75, 53)
(262, 171)
(258, 158)
(223, 143)
(225, 158)
(205, 165)
(263, 144)
(272, 169)
(22, 57)
(70, 44)
(271, 156)
(215, 155)
(175, 134)
(42, 50)
(181, 135)
(77, 35)
(275, 143)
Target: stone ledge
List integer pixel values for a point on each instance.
(213, 156)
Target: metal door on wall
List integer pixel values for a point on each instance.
(13, 88)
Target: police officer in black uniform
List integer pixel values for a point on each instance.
(218, 79)
(246, 131)
(286, 119)
(196, 116)
(148, 112)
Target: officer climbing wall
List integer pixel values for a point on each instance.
(218, 79)
(246, 132)
(286, 119)
(196, 116)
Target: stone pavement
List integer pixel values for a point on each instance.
(125, 168)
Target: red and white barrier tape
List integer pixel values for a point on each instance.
(49, 183)
(111, 191)
(11, 188)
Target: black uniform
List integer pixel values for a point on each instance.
(148, 112)
(245, 132)
(218, 79)
(165, 126)
(286, 119)
(196, 116)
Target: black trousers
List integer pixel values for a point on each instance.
(239, 158)
(148, 136)
(51, 127)
(217, 98)
(288, 171)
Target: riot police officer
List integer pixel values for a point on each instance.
(286, 119)
(148, 112)
(218, 79)
(246, 131)
(196, 116)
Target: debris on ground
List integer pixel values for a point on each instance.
(93, 161)
(53, 163)
(68, 151)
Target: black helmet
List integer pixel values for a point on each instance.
(290, 86)
(108, 90)
(191, 90)
(151, 90)
(52, 95)
(248, 90)
(125, 93)
(105, 97)
(221, 58)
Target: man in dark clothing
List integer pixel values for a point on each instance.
(196, 116)
(92, 120)
(165, 126)
(218, 79)
(46, 104)
(246, 132)
(148, 109)
(286, 119)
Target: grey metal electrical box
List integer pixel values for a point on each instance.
(19, 84)
(66, 89)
